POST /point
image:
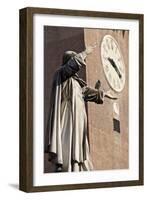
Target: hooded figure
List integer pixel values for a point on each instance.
(68, 146)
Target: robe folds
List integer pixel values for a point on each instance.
(67, 123)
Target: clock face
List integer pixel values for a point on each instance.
(113, 63)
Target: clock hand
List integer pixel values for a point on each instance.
(109, 95)
(114, 66)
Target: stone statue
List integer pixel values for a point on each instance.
(68, 146)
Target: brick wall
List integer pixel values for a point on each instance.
(109, 149)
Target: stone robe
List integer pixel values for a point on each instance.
(67, 125)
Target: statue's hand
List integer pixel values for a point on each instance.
(98, 85)
(90, 49)
(110, 95)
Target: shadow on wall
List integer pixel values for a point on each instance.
(14, 185)
(57, 40)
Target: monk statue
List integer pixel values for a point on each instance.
(67, 145)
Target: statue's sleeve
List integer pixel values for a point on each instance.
(72, 66)
(93, 95)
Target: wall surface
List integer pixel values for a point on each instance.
(9, 87)
(57, 40)
(109, 149)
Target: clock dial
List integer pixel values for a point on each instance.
(113, 63)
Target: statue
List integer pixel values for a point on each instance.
(68, 146)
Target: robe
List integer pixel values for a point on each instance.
(67, 124)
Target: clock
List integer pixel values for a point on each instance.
(113, 63)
